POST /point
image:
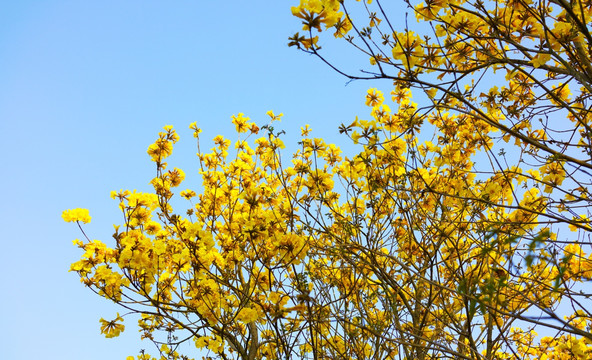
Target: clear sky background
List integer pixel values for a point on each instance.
(85, 86)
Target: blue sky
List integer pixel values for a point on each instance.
(85, 87)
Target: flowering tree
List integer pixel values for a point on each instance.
(458, 230)
(505, 165)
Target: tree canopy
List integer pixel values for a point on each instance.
(459, 229)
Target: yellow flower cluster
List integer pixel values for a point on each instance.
(112, 328)
(75, 215)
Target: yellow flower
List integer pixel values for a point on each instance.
(560, 92)
(408, 49)
(161, 149)
(76, 215)
(196, 130)
(201, 342)
(342, 27)
(374, 97)
(247, 315)
(187, 194)
(304, 131)
(176, 176)
(273, 116)
(310, 42)
(240, 122)
(432, 92)
(254, 128)
(152, 227)
(540, 59)
(112, 328)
